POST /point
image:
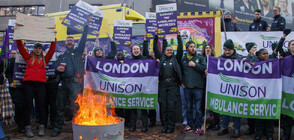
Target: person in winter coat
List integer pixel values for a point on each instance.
(258, 24)
(193, 67)
(286, 120)
(34, 82)
(263, 126)
(230, 53)
(279, 22)
(98, 52)
(6, 109)
(228, 25)
(136, 54)
(170, 78)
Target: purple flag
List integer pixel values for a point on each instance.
(4, 55)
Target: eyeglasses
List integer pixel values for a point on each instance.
(275, 10)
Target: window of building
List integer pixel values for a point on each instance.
(36, 10)
(73, 5)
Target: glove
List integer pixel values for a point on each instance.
(287, 31)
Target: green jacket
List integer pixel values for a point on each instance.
(193, 77)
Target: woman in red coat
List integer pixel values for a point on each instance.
(34, 82)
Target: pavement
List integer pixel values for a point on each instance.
(154, 133)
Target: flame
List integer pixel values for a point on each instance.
(93, 111)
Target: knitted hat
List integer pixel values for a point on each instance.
(38, 45)
(188, 43)
(229, 44)
(227, 12)
(249, 45)
(98, 48)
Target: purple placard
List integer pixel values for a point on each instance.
(19, 70)
(288, 66)
(130, 68)
(236, 67)
(166, 17)
(122, 32)
(151, 25)
(78, 16)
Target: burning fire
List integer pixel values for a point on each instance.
(93, 111)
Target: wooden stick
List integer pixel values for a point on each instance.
(205, 121)
(205, 98)
(279, 135)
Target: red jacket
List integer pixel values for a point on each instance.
(35, 71)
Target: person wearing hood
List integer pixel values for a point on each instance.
(230, 53)
(34, 83)
(227, 22)
(136, 54)
(98, 52)
(170, 79)
(279, 22)
(193, 68)
(70, 70)
(258, 24)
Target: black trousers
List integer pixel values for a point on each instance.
(17, 96)
(287, 125)
(167, 98)
(51, 92)
(35, 89)
(152, 116)
(264, 126)
(133, 117)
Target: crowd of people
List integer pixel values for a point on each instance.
(180, 74)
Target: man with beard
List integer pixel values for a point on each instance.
(193, 67)
(227, 22)
(70, 70)
(258, 24)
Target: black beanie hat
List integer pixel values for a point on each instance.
(249, 45)
(188, 43)
(229, 44)
(38, 45)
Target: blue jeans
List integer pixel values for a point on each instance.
(193, 96)
(226, 120)
(1, 131)
(184, 106)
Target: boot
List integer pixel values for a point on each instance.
(29, 132)
(41, 130)
(223, 131)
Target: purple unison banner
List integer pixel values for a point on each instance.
(239, 89)
(166, 17)
(288, 86)
(122, 32)
(151, 24)
(78, 16)
(132, 84)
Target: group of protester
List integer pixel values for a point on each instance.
(179, 75)
(279, 23)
